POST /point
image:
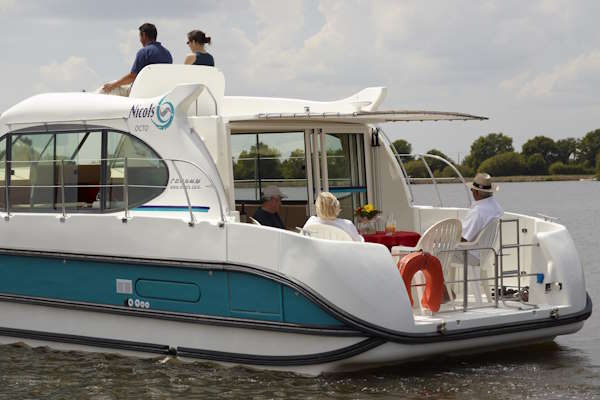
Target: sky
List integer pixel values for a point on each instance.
(532, 67)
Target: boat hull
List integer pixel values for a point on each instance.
(305, 353)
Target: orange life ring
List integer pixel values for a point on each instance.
(434, 277)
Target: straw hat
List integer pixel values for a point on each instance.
(483, 183)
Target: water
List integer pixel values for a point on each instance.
(568, 368)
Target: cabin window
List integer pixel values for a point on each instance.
(147, 175)
(280, 161)
(86, 168)
(273, 158)
(346, 171)
(3, 186)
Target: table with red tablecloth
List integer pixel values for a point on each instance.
(389, 240)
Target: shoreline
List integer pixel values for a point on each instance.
(516, 178)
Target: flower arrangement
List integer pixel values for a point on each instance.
(367, 211)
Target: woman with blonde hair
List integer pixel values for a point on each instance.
(328, 208)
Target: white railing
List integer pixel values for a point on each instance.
(8, 165)
(408, 179)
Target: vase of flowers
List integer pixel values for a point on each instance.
(366, 219)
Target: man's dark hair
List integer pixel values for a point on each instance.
(149, 30)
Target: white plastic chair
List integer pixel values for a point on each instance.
(439, 240)
(485, 239)
(323, 231)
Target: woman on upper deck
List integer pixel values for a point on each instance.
(199, 56)
(328, 209)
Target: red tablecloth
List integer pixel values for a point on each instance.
(398, 238)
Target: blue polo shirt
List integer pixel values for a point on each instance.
(152, 53)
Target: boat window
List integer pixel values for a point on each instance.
(45, 167)
(3, 173)
(147, 175)
(271, 158)
(33, 174)
(80, 154)
(346, 172)
(280, 161)
(42, 163)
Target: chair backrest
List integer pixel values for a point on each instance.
(323, 231)
(487, 238)
(441, 238)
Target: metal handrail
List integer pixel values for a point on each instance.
(497, 278)
(187, 197)
(466, 279)
(435, 186)
(125, 191)
(422, 156)
(386, 140)
(126, 185)
(408, 179)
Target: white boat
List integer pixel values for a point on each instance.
(121, 232)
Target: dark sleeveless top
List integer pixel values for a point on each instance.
(204, 59)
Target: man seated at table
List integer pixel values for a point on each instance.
(328, 209)
(268, 213)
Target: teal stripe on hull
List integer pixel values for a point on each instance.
(167, 288)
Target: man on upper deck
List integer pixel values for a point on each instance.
(485, 208)
(152, 52)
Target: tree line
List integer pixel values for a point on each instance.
(267, 163)
(495, 154)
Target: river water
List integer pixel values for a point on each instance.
(568, 368)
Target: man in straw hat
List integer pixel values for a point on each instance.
(485, 208)
(268, 213)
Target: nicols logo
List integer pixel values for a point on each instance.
(161, 115)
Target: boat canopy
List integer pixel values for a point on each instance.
(365, 117)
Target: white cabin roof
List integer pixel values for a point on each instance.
(63, 107)
(154, 80)
(364, 117)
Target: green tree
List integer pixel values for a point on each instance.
(337, 165)
(536, 165)
(589, 146)
(488, 146)
(437, 165)
(504, 164)
(559, 168)
(598, 166)
(269, 164)
(467, 161)
(464, 170)
(565, 149)
(295, 166)
(542, 145)
(416, 169)
(402, 146)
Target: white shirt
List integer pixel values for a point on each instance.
(482, 212)
(343, 224)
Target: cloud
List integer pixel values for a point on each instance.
(467, 56)
(7, 5)
(74, 74)
(568, 78)
(129, 44)
(69, 10)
